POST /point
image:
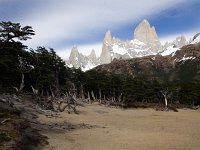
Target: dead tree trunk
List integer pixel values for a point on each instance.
(52, 93)
(21, 85)
(165, 94)
(100, 96)
(120, 97)
(112, 99)
(59, 106)
(89, 100)
(92, 93)
(21, 65)
(82, 93)
(35, 91)
(69, 103)
(67, 94)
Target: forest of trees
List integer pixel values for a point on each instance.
(44, 70)
(141, 90)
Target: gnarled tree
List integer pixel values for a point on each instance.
(10, 31)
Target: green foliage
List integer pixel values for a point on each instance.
(9, 63)
(9, 31)
(140, 89)
(188, 71)
(190, 93)
(10, 50)
(49, 73)
(42, 68)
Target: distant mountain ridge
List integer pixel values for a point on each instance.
(78, 60)
(144, 43)
(182, 65)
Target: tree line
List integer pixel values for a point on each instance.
(142, 90)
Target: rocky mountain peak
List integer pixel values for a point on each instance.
(74, 53)
(106, 51)
(147, 34)
(105, 56)
(93, 58)
(78, 60)
(108, 37)
(74, 56)
(183, 65)
(146, 23)
(93, 54)
(145, 43)
(180, 41)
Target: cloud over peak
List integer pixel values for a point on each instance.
(70, 21)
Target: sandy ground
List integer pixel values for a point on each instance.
(136, 129)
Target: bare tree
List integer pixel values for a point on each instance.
(82, 93)
(35, 91)
(23, 67)
(89, 99)
(166, 94)
(120, 97)
(69, 102)
(100, 98)
(92, 93)
(22, 79)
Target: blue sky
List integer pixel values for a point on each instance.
(61, 24)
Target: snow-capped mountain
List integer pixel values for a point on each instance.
(144, 43)
(181, 66)
(78, 60)
(172, 47)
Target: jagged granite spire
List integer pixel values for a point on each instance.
(78, 60)
(145, 43)
(105, 57)
(147, 34)
(74, 57)
(93, 58)
(108, 37)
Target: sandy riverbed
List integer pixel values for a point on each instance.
(136, 129)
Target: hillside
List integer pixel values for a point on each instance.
(182, 65)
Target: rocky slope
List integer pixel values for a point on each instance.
(144, 43)
(182, 65)
(16, 129)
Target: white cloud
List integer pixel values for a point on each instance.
(71, 20)
(64, 53)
